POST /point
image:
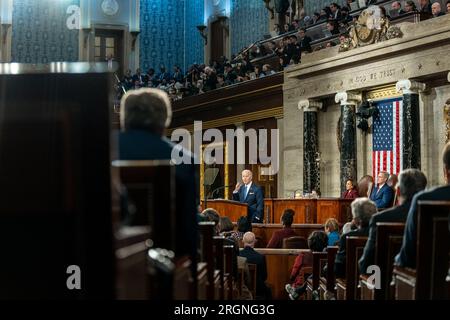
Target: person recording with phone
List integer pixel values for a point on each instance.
(251, 194)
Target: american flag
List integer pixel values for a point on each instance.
(387, 137)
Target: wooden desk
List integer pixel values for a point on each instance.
(308, 210)
(228, 208)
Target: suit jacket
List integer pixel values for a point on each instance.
(397, 214)
(277, 237)
(261, 268)
(341, 256)
(143, 145)
(350, 194)
(407, 254)
(255, 201)
(383, 198)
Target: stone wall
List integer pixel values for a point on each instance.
(419, 56)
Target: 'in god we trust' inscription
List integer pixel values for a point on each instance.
(373, 76)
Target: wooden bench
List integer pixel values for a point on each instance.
(428, 280)
(347, 289)
(279, 265)
(327, 284)
(388, 244)
(206, 230)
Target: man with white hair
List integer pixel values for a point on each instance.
(362, 211)
(436, 10)
(382, 194)
(259, 260)
(144, 116)
(251, 194)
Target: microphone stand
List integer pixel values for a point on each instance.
(217, 189)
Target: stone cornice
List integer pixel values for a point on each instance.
(348, 98)
(421, 52)
(407, 86)
(309, 105)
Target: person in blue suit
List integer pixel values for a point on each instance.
(251, 194)
(382, 194)
(407, 254)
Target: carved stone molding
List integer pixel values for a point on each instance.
(407, 86)
(348, 98)
(448, 77)
(309, 105)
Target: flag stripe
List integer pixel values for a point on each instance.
(387, 137)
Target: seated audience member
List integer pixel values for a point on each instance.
(407, 254)
(396, 9)
(410, 6)
(253, 257)
(324, 14)
(436, 10)
(225, 226)
(317, 242)
(243, 226)
(349, 226)
(425, 6)
(448, 7)
(351, 192)
(305, 41)
(212, 215)
(346, 18)
(362, 211)
(277, 238)
(332, 27)
(411, 181)
(266, 71)
(335, 11)
(382, 194)
(144, 115)
(332, 231)
(314, 19)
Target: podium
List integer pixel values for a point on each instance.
(227, 208)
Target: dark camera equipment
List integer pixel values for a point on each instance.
(366, 111)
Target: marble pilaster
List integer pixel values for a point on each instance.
(348, 101)
(411, 122)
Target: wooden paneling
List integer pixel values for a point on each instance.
(228, 208)
(279, 265)
(305, 209)
(333, 208)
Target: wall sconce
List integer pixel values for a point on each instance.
(5, 27)
(203, 33)
(270, 9)
(86, 33)
(134, 35)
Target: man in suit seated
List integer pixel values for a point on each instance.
(259, 260)
(277, 238)
(411, 181)
(407, 254)
(144, 115)
(382, 194)
(362, 211)
(251, 194)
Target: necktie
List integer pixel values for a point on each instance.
(245, 191)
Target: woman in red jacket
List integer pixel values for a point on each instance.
(351, 192)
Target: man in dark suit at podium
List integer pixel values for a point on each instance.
(382, 194)
(251, 194)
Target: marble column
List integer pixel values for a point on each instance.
(348, 101)
(411, 122)
(311, 170)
